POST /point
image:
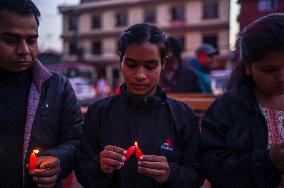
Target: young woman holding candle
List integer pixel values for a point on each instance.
(243, 131)
(166, 131)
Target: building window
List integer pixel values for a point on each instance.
(72, 48)
(211, 39)
(267, 5)
(72, 23)
(210, 10)
(96, 22)
(121, 19)
(177, 14)
(150, 15)
(97, 48)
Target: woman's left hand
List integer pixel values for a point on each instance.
(156, 167)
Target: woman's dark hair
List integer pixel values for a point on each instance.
(175, 46)
(143, 32)
(262, 36)
(21, 7)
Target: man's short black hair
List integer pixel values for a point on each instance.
(21, 7)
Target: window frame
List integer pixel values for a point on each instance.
(209, 37)
(96, 21)
(121, 19)
(72, 48)
(152, 15)
(177, 13)
(214, 8)
(97, 51)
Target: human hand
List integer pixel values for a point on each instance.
(156, 167)
(276, 155)
(112, 158)
(47, 173)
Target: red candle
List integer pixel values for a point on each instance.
(32, 164)
(130, 151)
(138, 151)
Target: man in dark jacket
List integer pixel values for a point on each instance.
(202, 65)
(38, 108)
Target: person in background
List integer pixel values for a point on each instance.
(38, 108)
(201, 64)
(166, 130)
(177, 77)
(102, 88)
(242, 132)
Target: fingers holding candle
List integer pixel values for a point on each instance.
(112, 158)
(156, 167)
(48, 162)
(47, 173)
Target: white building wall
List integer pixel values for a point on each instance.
(224, 10)
(108, 20)
(223, 37)
(135, 15)
(109, 47)
(163, 16)
(87, 45)
(192, 41)
(193, 12)
(85, 22)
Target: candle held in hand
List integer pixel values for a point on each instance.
(32, 164)
(130, 151)
(138, 151)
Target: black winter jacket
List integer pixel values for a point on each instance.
(54, 121)
(105, 125)
(234, 143)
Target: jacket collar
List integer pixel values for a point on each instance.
(40, 74)
(138, 101)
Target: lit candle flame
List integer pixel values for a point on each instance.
(135, 143)
(36, 151)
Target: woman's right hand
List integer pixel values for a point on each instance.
(112, 158)
(276, 155)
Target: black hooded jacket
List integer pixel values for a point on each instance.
(121, 119)
(234, 143)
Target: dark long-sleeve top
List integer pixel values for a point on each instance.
(184, 80)
(234, 143)
(14, 93)
(124, 118)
